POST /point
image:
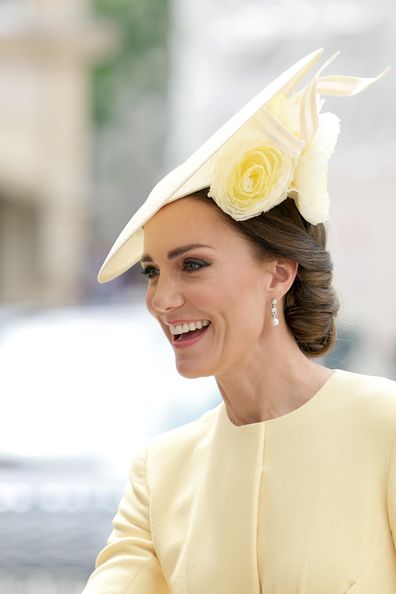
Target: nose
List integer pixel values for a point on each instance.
(165, 295)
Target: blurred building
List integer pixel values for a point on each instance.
(47, 50)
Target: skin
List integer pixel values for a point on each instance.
(259, 369)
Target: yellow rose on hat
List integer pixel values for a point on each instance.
(251, 174)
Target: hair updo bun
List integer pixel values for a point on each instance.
(311, 304)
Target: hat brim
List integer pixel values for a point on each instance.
(194, 173)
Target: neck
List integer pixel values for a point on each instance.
(273, 380)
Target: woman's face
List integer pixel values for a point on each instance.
(202, 273)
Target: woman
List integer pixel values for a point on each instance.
(289, 485)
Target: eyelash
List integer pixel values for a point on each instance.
(147, 272)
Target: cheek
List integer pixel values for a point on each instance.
(211, 298)
(232, 292)
(246, 305)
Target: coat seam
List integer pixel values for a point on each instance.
(134, 578)
(391, 456)
(146, 478)
(356, 580)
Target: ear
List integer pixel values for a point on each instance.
(281, 277)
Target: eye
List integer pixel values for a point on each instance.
(149, 271)
(192, 265)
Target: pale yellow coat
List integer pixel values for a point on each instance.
(301, 504)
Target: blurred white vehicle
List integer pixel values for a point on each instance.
(91, 381)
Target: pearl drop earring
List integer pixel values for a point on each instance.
(275, 321)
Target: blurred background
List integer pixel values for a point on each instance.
(98, 100)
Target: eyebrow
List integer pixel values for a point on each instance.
(177, 251)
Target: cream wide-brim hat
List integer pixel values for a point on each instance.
(195, 173)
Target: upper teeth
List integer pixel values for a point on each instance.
(182, 328)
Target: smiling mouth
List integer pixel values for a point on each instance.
(190, 335)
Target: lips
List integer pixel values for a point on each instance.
(188, 338)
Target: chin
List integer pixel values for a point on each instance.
(191, 372)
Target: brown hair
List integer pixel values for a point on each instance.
(311, 304)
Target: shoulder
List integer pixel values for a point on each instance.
(180, 444)
(372, 385)
(370, 394)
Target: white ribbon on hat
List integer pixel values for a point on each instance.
(335, 85)
(278, 134)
